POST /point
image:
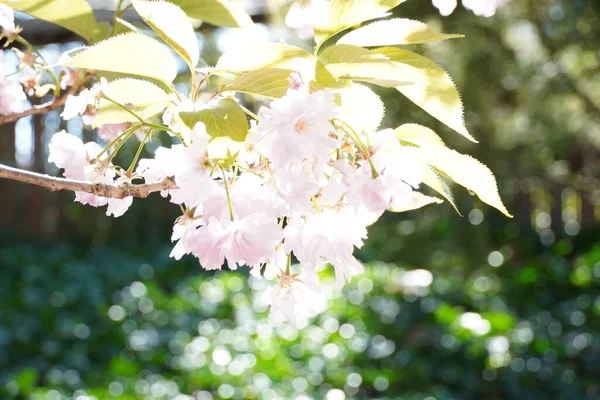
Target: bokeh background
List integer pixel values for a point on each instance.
(451, 307)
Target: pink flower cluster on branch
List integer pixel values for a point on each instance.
(301, 182)
(304, 184)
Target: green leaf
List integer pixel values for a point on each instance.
(142, 97)
(346, 61)
(434, 181)
(224, 151)
(361, 108)
(415, 134)
(124, 26)
(216, 12)
(393, 32)
(262, 55)
(130, 53)
(419, 200)
(270, 82)
(433, 88)
(224, 118)
(464, 170)
(324, 79)
(342, 14)
(74, 15)
(173, 26)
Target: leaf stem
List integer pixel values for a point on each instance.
(249, 170)
(322, 42)
(117, 15)
(116, 140)
(139, 151)
(141, 121)
(354, 136)
(250, 113)
(123, 107)
(227, 193)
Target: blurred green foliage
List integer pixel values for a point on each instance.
(110, 325)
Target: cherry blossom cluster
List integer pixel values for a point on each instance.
(304, 185)
(34, 81)
(12, 95)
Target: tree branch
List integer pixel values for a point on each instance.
(98, 189)
(42, 108)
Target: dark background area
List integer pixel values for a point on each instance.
(93, 306)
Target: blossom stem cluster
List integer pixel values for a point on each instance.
(303, 185)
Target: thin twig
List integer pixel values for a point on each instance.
(98, 189)
(42, 108)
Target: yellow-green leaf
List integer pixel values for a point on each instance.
(74, 15)
(270, 82)
(416, 134)
(361, 108)
(434, 181)
(342, 14)
(433, 89)
(224, 118)
(224, 151)
(123, 26)
(418, 200)
(394, 31)
(464, 170)
(217, 12)
(262, 55)
(324, 78)
(142, 97)
(130, 53)
(346, 61)
(173, 26)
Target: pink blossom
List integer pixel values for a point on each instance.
(483, 8)
(69, 78)
(77, 105)
(12, 94)
(293, 295)
(250, 238)
(298, 127)
(183, 230)
(68, 152)
(303, 15)
(81, 162)
(272, 265)
(118, 207)
(446, 7)
(206, 244)
(398, 172)
(191, 169)
(110, 132)
(327, 236)
(7, 20)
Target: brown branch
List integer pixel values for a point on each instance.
(98, 189)
(42, 108)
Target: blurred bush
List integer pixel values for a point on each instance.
(112, 325)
